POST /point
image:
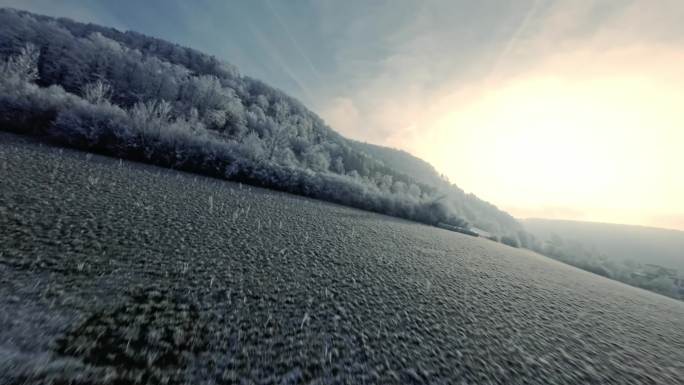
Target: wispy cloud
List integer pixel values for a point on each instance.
(293, 40)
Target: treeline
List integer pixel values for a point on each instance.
(575, 253)
(140, 98)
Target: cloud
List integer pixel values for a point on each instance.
(343, 114)
(427, 59)
(399, 63)
(561, 105)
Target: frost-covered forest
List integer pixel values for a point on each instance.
(141, 98)
(645, 257)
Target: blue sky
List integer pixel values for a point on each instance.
(318, 50)
(551, 108)
(328, 52)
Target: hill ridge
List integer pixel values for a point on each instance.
(142, 98)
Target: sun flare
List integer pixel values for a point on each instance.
(602, 143)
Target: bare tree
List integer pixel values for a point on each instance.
(25, 64)
(97, 92)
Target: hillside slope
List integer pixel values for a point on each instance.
(141, 98)
(122, 273)
(402, 161)
(473, 209)
(618, 242)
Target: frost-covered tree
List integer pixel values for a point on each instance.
(97, 92)
(414, 190)
(338, 165)
(254, 146)
(150, 119)
(399, 187)
(278, 136)
(317, 160)
(24, 66)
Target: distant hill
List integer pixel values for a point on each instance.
(473, 209)
(643, 245)
(137, 97)
(402, 161)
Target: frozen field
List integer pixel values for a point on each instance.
(116, 272)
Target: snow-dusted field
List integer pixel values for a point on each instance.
(121, 272)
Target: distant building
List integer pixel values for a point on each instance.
(480, 232)
(457, 229)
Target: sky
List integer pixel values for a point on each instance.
(569, 109)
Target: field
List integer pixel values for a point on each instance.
(117, 272)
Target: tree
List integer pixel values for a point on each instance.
(317, 160)
(253, 146)
(510, 241)
(97, 92)
(338, 165)
(399, 187)
(24, 65)
(149, 118)
(414, 190)
(661, 285)
(279, 135)
(384, 182)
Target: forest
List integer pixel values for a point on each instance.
(136, 97)
(649, 258)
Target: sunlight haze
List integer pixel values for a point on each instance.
(555, 109)
(588, 128)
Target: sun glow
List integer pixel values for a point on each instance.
(606, 143)
(569, 118)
